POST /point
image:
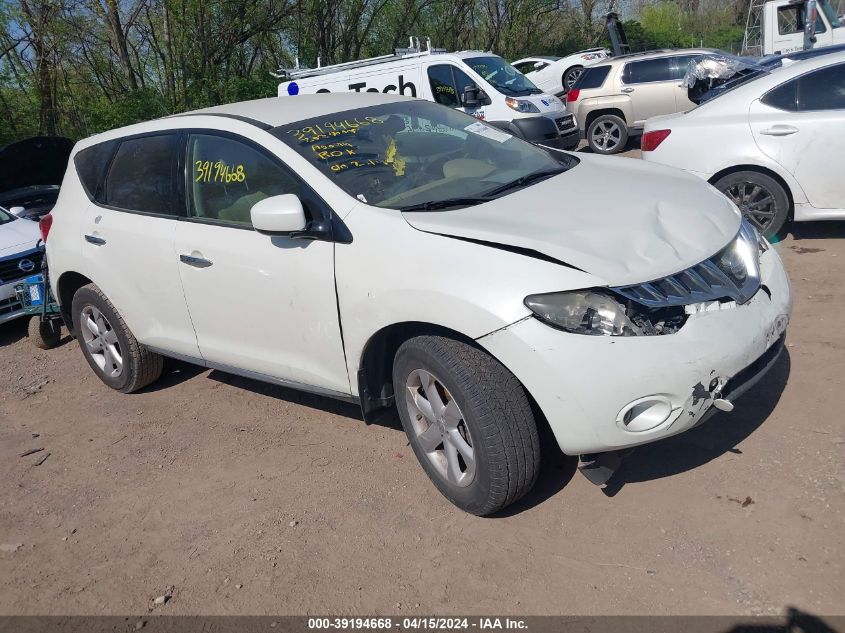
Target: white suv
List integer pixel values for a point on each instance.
(390, 251)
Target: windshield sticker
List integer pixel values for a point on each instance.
(218, 171)
(488, 131)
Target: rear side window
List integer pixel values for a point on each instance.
(823, 89)
(142, 176)
(91, 164)
(648, 71)
(592, 77)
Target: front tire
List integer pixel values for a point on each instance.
(761, 198)
(109, 346)
(607, 134)
(469, 423)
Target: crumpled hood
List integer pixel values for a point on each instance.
(620, 219)
(18, 236)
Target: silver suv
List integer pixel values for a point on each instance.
(611, 100)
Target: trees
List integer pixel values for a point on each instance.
(76, 67)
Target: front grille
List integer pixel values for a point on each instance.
(11, 269)
(723, 276)
(7, 306)
(565, 123)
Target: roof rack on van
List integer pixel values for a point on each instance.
(414, 50)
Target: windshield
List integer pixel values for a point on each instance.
(502, 76)
(830, 13)
(5, 216)
(419, 154)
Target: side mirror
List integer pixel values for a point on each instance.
(483, 99)
(470, 96)
(17, 211)
(278, 214)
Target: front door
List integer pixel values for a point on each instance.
(261, 304)
(801, 125)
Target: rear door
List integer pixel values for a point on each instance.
(801, 125)
(129, 232)
(260, 304)
(651, 85)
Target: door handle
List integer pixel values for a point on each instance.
(196, 262)
(627, 90)
(93, 239)
(779, 130)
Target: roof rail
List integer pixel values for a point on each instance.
(414, 50)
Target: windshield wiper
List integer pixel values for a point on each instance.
(525, 180)
(433, 205)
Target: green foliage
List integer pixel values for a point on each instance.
(83, 66)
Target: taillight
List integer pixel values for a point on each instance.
(651, 140)
(45, 223)
(572, 95)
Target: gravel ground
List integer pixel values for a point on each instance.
(234, 497)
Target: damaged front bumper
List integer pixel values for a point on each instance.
(602, 393)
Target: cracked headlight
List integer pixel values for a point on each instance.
(583, 312)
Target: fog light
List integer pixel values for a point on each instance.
(646, 414)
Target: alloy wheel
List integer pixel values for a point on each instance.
(572, 76)
(755, 201)
(101, 341)
(439, 427)
(606, 135)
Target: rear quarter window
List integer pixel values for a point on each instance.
(592, 77)
(91, 164)
(649, 71)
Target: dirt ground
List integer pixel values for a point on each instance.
(235, 497)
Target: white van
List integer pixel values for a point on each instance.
(481, 84)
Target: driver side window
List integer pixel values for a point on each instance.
(443, 85)
(226, 177)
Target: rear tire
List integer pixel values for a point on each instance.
(607, 134)
(44, 334)
(469, 422)
(570, 77)
(761, 198)
(109, 346)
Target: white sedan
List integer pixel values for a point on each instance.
(556, 75)
(772, 145)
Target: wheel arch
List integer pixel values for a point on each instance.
(375, 369)
(594, 114)
(375, 366)
(68, 283)
(762, 170)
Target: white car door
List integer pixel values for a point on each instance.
(260, 304)
(801, 125)
(128, 235)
